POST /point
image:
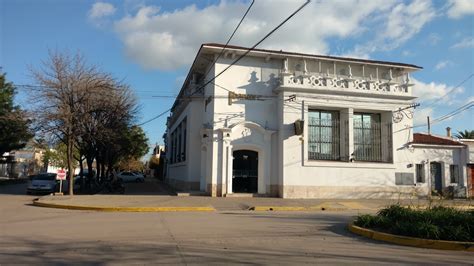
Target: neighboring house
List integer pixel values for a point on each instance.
(469, 153)
(244, 132)
(440, 163)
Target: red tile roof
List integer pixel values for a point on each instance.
(421, 138)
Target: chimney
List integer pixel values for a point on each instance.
(448, 132)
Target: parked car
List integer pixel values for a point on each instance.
(131, 177)
(46, 183)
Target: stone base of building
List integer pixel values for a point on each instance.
(181, 185)
(340, 192)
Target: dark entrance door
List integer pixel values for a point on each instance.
(245, 172)
(436, 184)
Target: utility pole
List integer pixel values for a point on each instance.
(429, 125)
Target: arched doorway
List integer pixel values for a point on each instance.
(245, 171)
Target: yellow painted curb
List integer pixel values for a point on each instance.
(124, 209)
(412, 241)
(296, 208)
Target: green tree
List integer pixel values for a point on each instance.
(466, 134)
(14, 131)
(58, 156)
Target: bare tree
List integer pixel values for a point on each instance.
(67, 84)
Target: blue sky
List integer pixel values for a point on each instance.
(151, 44)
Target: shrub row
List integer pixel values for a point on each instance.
(441, 223)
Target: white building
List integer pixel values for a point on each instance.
(441, 163)
(237, 134)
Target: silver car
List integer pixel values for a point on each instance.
(131, 177)
(43, 183)
(46, 183)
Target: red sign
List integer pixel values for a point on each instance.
(61, 174)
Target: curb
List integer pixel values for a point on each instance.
(295, 208)
(412, 241)
(124, 209)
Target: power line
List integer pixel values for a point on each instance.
(230, 38)
(155, 117)
(253, 47)
(239, 58)
(222, 51)
(433, 102)
(455, 112)
(452, 113)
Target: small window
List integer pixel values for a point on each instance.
(454, 173)
(420, 173)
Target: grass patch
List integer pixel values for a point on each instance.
(440, 223)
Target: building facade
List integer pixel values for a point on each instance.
(292, 125)
(442, 164)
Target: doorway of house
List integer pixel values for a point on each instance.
(436, 183)
(470, 183)
(245, 171)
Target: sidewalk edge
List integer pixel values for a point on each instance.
(124, 209)
(412, 241)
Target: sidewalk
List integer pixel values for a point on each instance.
(149, 203)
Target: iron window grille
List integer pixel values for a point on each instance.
(323, 135)
(454, 173)
(420, 173)
(368, 133)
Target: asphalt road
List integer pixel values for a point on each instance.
(33, 235)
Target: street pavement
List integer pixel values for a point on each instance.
(33, 235)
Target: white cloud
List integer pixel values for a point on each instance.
(465, 43)
(428, 92)
(100, 10)
(400, 23)
(443, 64)
(168, 40)
(460, 8)
(165, 40)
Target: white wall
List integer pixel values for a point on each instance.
(424, 154)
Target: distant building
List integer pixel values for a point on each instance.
(296, 125)
(22, 163)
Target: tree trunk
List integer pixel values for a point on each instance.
(89, 161)
(81, 172)
(69, 163)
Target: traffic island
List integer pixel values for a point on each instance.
(412, 241)
(437, 227)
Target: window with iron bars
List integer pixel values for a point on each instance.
(420, 173)
(368, 132)
(454, 173)
(323, 135)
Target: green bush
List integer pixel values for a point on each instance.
(443, 223)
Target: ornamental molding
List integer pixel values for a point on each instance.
(348, 84)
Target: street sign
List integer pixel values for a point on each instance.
(61, 174)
